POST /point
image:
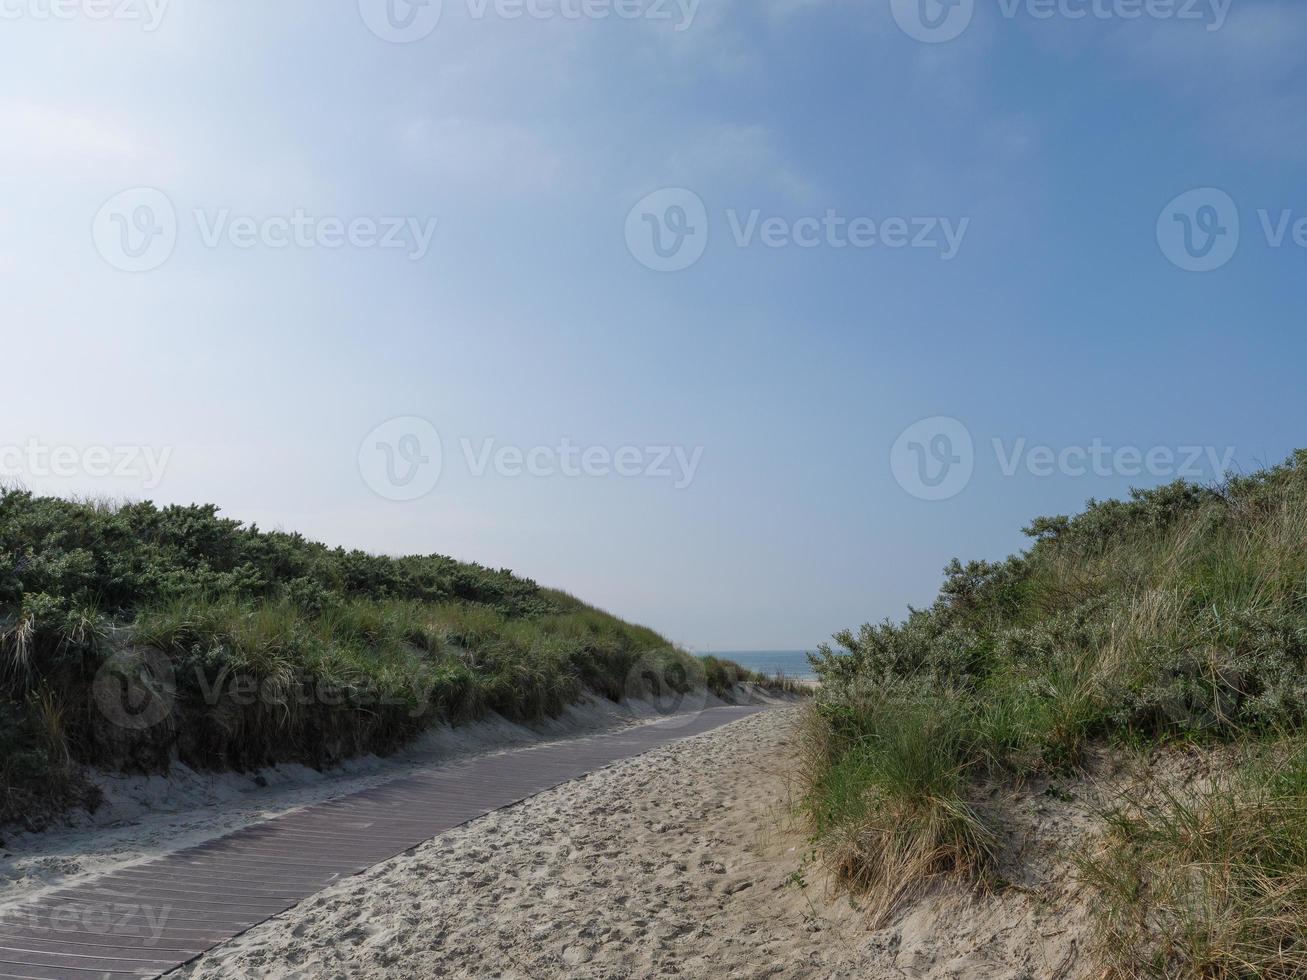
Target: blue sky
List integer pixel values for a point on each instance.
(267, 375)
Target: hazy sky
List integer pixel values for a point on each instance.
(238, 238)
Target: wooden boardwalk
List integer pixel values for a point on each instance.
(146, 919)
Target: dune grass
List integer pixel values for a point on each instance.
(1178, 615)
(268, 647)
(1210, 883)
(886, 795)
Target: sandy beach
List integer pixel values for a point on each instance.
(685, 861)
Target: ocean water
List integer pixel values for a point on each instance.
(793, 663)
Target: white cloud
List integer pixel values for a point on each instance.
(52, 135)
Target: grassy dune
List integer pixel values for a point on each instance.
(1177, 616)
(264, 647)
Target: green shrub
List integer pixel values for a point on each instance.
(1180, 613)
(277, 648)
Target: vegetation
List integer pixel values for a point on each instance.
(1211, 884)
(131, 635)
(1178, 615)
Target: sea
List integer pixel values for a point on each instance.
(792, 663)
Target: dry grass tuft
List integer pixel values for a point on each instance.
(886, 804)
(1211, 883)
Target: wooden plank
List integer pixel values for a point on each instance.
(147, 919)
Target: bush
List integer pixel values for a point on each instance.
(1180, 613)
(269, 647)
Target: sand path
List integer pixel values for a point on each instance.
(683, 862)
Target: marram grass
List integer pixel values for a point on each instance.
(1177, 615)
